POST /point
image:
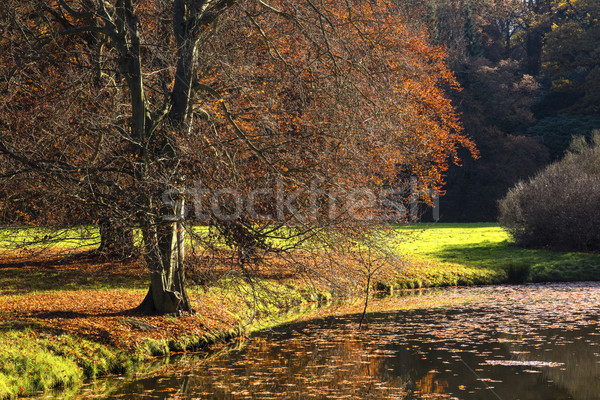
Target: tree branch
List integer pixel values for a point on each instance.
(76, 14)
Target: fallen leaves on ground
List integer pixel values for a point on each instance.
(99, 314)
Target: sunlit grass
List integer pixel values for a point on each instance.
(437, 255)
(33, 362)
(488, 248)
(87, 237)
(80, 237)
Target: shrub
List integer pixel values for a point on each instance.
(518, 271)
(558, 208)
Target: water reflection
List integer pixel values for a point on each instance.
(528, 343)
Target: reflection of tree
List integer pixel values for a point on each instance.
(431, 384)
(418, 354)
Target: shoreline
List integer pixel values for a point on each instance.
(65, 319)
(65, 360)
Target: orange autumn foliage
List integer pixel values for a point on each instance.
(134, 101)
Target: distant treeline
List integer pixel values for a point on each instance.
(530, 72)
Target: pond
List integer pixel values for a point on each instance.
(519, 342)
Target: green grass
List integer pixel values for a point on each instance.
(449, 254)
(487, 248)
(33, 362)
(81, 237)
(87, 237)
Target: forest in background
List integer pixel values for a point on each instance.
(530, 77)
(530, 73)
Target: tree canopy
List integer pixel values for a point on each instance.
(118, 109)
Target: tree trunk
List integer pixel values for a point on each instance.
(164, 253)
(116, 240)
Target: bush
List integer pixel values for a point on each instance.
(558, 208)
(518, 271)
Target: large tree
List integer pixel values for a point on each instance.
(125, 106)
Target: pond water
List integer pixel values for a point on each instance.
(520, 342)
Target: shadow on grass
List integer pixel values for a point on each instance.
(482, 254)
(545, 265)
(88, 271)
(54, 260)
(81, 270)
(422, 226)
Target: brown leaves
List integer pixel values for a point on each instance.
(70, 301)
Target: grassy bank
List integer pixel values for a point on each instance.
(64, 317)
(35, 361)
(483, 253)
(56, 339)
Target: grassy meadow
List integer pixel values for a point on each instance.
(433, 254)
(487, 247)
